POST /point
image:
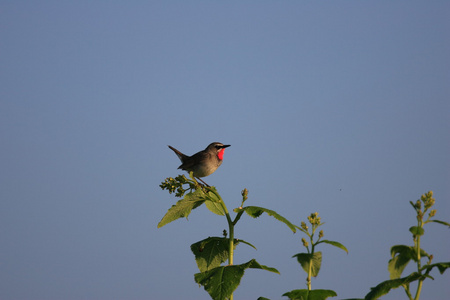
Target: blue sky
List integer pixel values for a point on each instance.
(336, 107)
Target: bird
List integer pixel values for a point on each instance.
(202, 163)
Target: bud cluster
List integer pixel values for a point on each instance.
(314, 219)
(244, 194)
(303, 225)
(305, 243)
(315, 222)
(428, 200)
(432, 213)
(175, 185)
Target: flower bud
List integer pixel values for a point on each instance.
(418, 203)
(303, 225)
(244, 194)
(305, 243)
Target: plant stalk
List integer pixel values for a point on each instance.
(230, 233)
(406, 287)
(419, 284)
(308, 280)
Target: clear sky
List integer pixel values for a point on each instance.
(339, 107)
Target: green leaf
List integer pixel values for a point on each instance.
(297, 294)
(315, 259)
(384, 287)
(255, 211)
(401, 249)
(441, 267)
(401, 255)
(215, 207)
(213, 251)
(310, 294)
(253, 264)
(237, 241)
(221, 282)
(213, 201)
(182, 208)
(321, 294)
(396, 266)
(416, 230)
(440, 222)
(210, 253)
(336, 244)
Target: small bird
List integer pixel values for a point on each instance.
(202, 163)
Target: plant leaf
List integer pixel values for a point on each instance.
(253, 264)
(416, 230)
(315, 259)
(215, 207)
(310, 294)
(210, 253)
(401, 249)
(396, 266)
(221, 282)
(182, 208)
(213, 251)
(441, 266)
(213, 201)
(401, 255)
(384, 287)
(237, 241)
(336, 244)
(440, 222)
(255, 211)
(297, 295)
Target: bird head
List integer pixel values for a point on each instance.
(217, 148)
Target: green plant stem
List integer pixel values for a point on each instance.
(231, 237)
(406, 287)
(419, 284)
(230, 227)
(419, 289)
(308, 280)
(238, 216)
(230, 232)
(231, 250)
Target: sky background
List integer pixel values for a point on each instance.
(336, 107)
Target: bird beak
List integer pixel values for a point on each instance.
(225, 146)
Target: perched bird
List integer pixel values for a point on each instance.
(202, 163)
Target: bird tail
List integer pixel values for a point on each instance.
(180, 155)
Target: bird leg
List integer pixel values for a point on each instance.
(202, 181)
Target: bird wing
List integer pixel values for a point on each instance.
(191, 161)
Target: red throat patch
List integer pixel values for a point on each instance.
(220, 154)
